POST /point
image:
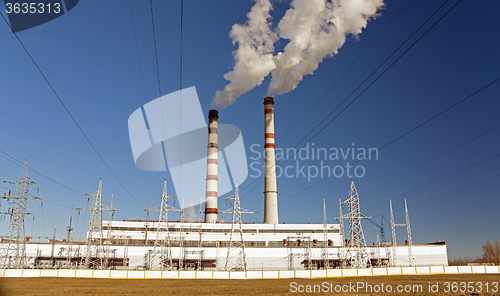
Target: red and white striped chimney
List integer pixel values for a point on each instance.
(270, 187)
(211, 191)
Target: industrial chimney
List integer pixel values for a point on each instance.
(270, 188)
(211, 192)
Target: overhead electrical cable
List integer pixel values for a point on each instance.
(181, 197)
(156, 52)
(359, 86)
(437, 180)
(138, 53)
(453, 191)
(399, 137)
(17, 162)
(434, 159)
(67, 110)
(434, 135)
(347, 70)
(39, 138)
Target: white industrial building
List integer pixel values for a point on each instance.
(266, 246)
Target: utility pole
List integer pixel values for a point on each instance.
(52, 259)
(377, 253)
(69, 257)
(108, 236)
(13, 248)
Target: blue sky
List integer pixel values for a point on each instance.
(91, 59)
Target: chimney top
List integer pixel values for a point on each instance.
(213, 113)
(268, 100)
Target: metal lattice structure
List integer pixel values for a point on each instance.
(109, 239)
(13, 248)
(377, 253)
(236, 257)
(69, 257)
(301, 241)
(326, 260)
(162, 250)
(411, 259)
(340, 219)
(357, 253)
(182, 248)
(393, 260)
(95, 253)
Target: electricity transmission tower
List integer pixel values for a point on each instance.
(340, 219)
(357, 253)
(164, 255)
(393, 261)
(13, 249)
(94, 256)
(411, 259)
(326, 261)
(236, 257)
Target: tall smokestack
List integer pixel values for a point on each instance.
(211, 192)
(270, 188)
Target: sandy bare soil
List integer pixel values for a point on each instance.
(415, 285)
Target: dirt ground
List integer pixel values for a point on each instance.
(415, 285)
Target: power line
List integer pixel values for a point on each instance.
(347, 70)
(398, 138)
(180, 104)
(156, 53)
(429, 138)
(434, 159)
(17, 162)
(138, 53)
(39, 138)
(366, 88)
(437, 180)
(459, 189)
(67, 110)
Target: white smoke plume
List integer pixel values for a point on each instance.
(316, 29)
(190, 214)
(254, 56)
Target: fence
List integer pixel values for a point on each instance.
(251, 274)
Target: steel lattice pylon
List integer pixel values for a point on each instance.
(357, 253)
(411, 259)
(393, 261)
(13, 248)
(340, 219)
(236, 257)
(95, 253)
(326, 260)
(164, 254)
